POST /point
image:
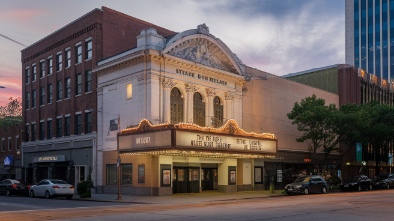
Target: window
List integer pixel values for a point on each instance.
(27, 104)
(68, 88)
(59, 62)
(59, 90)
(33, 99)
(88, 81)
(88, 122)
(59, 127)
(67, 125)
(78, 84)
(34, 74)
(42, 68)
(33, 132)
(27, 133)
(49, 93)
(49, 129)
(67, 53)
(3, 145)
(49, 65)
(17, 143)
(78, 53)
(42, 95)
(198, 110)
(88, 48)
(9, 144)
(217, 120)
(176, 106)
(42, 131)
(27, 75)
(129, 91)
(78, 124)
(126, 171)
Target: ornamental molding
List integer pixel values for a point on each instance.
(210, 92)
(190, 87)
(168, 83)
(229, 96)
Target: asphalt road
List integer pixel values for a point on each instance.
(348, 206)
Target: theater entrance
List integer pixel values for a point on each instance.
(186, 180)
(209, 179)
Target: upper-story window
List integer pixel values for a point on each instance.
(88, 49)
(78, 124)
(78, 53)
(59, 90)
(27, 75)
(42, 68)
(67, 53)
(33, 132)
(88, 81)
(217, 119)
(34, 74)
(49, 65)
(67, 93)
(49, 93)
(88, 122)
(59, 127)
(27, 101)
(42, 95)
(17, 142)
(33, 98)
(27, 134)
(42, 130)
(59, 61)
(176, 101)
(78, 84)
(9, 144)
(67, 126)
(129, 91)
(198, 110)
(49, 129)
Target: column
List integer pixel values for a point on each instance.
(190, 90)
(168, 84)
(229, 97)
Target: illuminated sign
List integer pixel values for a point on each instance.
(8, 161)
(214, 141)
(147, 140)
(57, 158)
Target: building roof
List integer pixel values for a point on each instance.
(309, 71)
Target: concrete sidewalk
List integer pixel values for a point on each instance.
(189, 198)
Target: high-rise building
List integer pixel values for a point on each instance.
(370, 36)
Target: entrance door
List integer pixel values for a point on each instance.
(186, 180)
(79, 174)
(209, 179)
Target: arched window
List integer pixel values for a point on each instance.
(176, 106)
(198, 110)
(217, 120)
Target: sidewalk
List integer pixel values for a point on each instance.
(191, 198)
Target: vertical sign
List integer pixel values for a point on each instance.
(359, 152)
(279, 176)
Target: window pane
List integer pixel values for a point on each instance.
(111, 175)
(127, 174)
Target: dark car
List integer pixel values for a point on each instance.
(384, 181)
(306, 185)
(14, 187)
(360, 182)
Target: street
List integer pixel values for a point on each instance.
(365, 205)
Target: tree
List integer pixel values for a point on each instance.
(318, 123)
(11, 113)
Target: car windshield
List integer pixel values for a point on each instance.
(58, 182)
(302, 179)
(383, 176)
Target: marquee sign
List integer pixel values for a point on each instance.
(56, 158)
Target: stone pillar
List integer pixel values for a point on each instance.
(209, 118)
(229, 97)
(168, 84)
(190, 90)
(223, 176)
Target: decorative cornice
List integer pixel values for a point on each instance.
(228, 96)
(190, 87)
(168, 83)
(210, 92)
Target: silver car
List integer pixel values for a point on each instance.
(49, 188)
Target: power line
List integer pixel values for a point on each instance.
(12, 40)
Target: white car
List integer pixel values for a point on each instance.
(49, 188)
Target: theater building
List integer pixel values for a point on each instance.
(183, 114)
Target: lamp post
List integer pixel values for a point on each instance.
(118, 161)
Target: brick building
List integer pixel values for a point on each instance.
(59, 93)
(10, 152)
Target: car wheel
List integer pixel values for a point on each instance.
(31, 194)
(8, 193)
(47, 195)
(324, 190)
(359, 188)
(69, 197)
(306, 191)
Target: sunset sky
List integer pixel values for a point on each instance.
(278, 37)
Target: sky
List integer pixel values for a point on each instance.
(275, 36)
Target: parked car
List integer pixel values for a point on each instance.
(49, 188)
(360, 182)
(14, 187)
(306, 185)
(383, 181)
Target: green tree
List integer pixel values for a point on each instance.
(11, 113)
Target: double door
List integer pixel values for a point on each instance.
(209, 179)
(186, 180)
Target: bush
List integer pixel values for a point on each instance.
(83, 188)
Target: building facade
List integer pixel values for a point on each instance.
(60, 96)
(183, 114)
(370, 36)
(10, 152)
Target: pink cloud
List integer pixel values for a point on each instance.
(13, 88)
(21, 14)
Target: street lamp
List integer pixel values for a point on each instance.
(118, 161)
